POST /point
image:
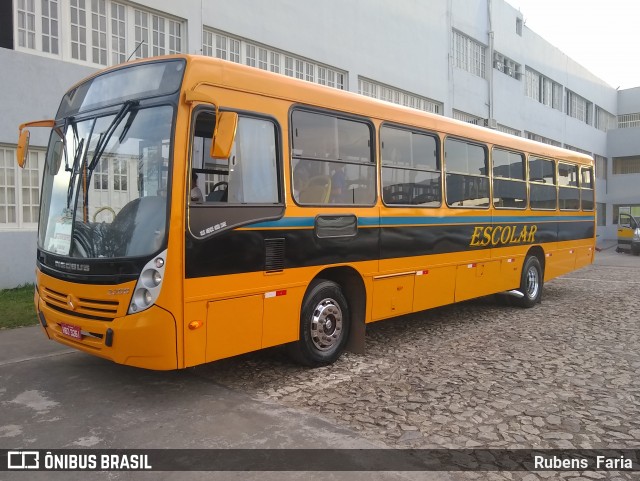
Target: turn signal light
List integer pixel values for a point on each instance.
(193, 325)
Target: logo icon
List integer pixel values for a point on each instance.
(23, 460)
(72, 302)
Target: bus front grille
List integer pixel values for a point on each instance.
(98, 309)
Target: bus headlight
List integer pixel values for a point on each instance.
(149, 283)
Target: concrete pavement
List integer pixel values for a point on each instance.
(52, 397)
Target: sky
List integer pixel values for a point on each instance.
(601, 35)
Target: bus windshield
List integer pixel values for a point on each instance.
(105, 184)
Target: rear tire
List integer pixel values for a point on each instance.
(531, 283)
(324, 325)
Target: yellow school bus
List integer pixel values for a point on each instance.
(194, 209)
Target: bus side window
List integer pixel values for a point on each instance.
(249, 175)
(209, 176)
(332, 160)
(467, 179)
(509, 183)
(543, 194)
(410, 168)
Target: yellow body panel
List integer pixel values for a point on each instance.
(234, 326)
(392, 296)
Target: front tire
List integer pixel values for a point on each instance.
(531, 283)
(324, 325)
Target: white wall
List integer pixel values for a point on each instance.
(32, 87)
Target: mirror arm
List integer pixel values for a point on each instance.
(192, 96)
(38, 123)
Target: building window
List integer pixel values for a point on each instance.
(96, 31)
(20, 188)
(274, 64)
(207, 45)
(519, 26)
(120, 175)
(158, 35)
(468, 118)
(541, 139)
(310, 72)
(50, 26)
(27, 24)
(142, 34)
(626, 165)
(627, 121)
(234, 50)
(509, 130)
(262, 59)
(468, 54)
(377, 90)
(577, 149)
(300, 69)
(250, 55)
(507, 66)
(579, 108)
(603, 120)
(118, 34)
(542, 89)
(99, 31)
(8, 201)
(78, 30)
(288, 66)
(101, 175)
(175, 37)
(228, 48)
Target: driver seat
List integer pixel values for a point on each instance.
(219, 195)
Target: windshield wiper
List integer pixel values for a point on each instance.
(74, 171)
(106, 135)
(103, 140)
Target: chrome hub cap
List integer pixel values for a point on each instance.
(326, 325)
(533, 283)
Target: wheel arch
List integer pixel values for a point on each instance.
(353, 288)
(538, 251)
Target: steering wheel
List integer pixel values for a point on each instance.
(101, 209)
(223, 184)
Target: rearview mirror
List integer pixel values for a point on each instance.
(224, 134)
(23, 147)
(23, 140)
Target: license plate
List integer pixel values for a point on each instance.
(71, 331)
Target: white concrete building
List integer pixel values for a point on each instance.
(474, 60)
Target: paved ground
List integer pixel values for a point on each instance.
(562, 375)
(474, 375)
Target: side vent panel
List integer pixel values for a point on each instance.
(274, 255)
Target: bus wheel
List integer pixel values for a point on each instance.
(324, 325)
(531, 283)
